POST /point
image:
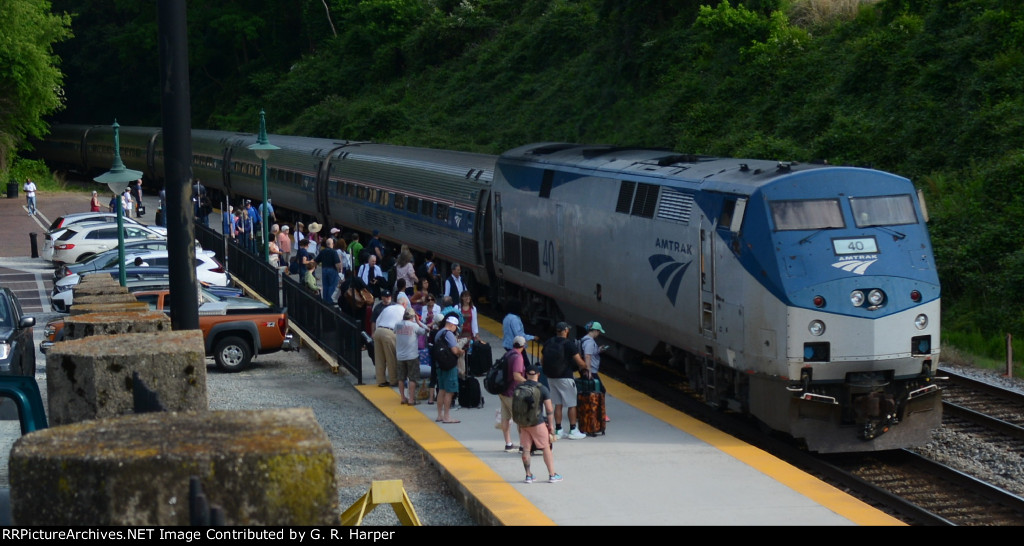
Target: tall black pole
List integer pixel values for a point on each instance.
(177, 134)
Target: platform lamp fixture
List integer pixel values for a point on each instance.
(263, 149)
(117, 179)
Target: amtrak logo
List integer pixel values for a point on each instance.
(670, 273)
(855, 266)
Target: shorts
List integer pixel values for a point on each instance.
(563, 391)
(535, 437)
(448, 380)
(506, 407)
(409, 369)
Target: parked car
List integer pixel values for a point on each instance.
(67, 220)
(208, 269)
(81, 241)
(63, 222)
(108, 259)
(17, 350)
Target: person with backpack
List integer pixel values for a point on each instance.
(532, 411)
(515, 374)
(447, 379)
(560, 359)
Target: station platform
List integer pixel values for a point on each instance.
(654, 466)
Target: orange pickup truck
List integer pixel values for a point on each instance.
(233, 331)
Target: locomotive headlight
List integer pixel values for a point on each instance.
(921, 321)
(816, 327)
(857, 298)
(876, 297)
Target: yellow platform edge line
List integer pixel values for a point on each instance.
(504, 504)
(820, 492)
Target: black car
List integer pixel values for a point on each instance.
(17, 350)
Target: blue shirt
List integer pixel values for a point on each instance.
(512, 326)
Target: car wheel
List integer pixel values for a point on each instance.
(232, 354)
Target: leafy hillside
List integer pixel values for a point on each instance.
(929, 89)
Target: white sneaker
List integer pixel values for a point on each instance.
(575, 434)
(562, 434)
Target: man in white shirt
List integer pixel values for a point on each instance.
(455, 284)
(30, 196)
(385, 349)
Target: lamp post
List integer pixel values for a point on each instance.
(117, 178)
(263, 149)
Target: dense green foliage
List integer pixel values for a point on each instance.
(30, 80)
(929, 89)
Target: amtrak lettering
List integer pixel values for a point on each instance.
(855, 264)
(673, 246)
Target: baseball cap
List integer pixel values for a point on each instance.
(519, 341)
(561, 326)
(453, 320)
(335, 230)
(532, 369)
(596, 326)
(385, 293)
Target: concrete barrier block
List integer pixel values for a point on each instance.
(95, 324)
(133, 307)
(108, 298)
(264, 467)
(92, 378)
(84, 290)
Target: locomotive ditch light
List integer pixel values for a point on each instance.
(816, 327)
(857, 298)
(915, 296)
(819, 301)
(921, 321)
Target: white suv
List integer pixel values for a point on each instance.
(80, 241)
(63, 222)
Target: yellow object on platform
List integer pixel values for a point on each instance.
(382, 492)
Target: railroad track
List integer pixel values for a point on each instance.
(926, 492)
(984, 405)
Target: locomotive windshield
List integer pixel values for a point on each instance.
(807, 214)
(885, 210)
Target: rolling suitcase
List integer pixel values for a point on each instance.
(479, 359)
(590, 407)
(469, 393)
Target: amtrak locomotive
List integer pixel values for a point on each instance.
(804, 295)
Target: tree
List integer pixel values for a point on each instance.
(30, 78)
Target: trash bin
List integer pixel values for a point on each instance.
(12, 189)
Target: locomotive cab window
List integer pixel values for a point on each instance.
(885, 210)
(807, 214)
